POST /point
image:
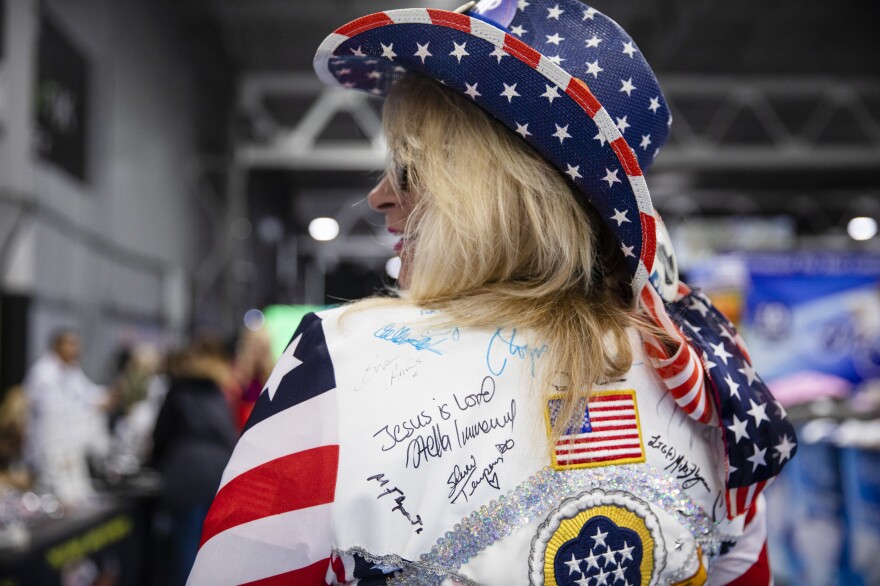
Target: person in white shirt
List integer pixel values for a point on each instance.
(66, 422)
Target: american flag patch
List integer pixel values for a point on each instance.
(610, 432)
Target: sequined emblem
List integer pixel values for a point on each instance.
(609, 538)
(609, 432)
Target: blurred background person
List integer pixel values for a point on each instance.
(253, 364)
(193, 439)
(66, 419)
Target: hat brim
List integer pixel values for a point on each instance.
(563, 119)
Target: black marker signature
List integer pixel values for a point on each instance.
(464, 481)
(398, 501)
(684, 470)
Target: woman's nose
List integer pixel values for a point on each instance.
(382, 197)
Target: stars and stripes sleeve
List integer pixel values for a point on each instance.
(747, 562)
(271, 519)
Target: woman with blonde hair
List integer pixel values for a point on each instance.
(542, 402)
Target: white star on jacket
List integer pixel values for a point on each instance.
(758, 412)
(784, 448)
(757, 459)
(286, 364)
(738, 427)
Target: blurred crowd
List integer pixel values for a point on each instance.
(173, 417)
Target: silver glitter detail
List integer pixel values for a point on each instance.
(545, 490)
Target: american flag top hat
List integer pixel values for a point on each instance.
(574, 85)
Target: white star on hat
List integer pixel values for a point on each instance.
(554, 12)
(422, 51)
(509, 92)
(459, 51)
(499, 53)
(646, 140)
(629, 49)
(739, 429)
(472, 90)
(557, 59)
(551, 93)
(620, 216)
(593, 68)
(358, 52)
(523, 129)
(655, 104)
(601, 138)
(622, 124)
(611, 176)
(561, 133)
(522, 5)
(594, 42)
(573, 172)
(554, 39)
(286, 364)
(627, 250)
(344, 71)
(627, 86)
(518, 30)
(589, 13)
(388, 51)
(375, 75)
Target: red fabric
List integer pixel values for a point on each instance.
(627, 157)
(297, 481)
(649, 240)
(461, 22)
(364, 23)
(758, 575)
(521, 51)
(313, 574)
(581, 94)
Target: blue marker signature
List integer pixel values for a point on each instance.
(503, 345)
(402, 336)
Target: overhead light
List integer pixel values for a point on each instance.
(254, 320)
(324, 229)
(392, 267)
(862, 228)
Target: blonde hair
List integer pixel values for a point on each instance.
(501, 239)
